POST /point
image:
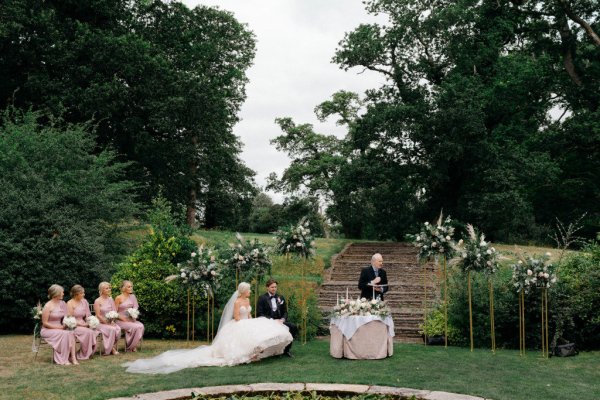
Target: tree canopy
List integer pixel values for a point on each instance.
(163, 84)
(489, 111)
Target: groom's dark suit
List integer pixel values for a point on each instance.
(367, 275)
(264, 308)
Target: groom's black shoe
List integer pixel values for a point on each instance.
(289, 354)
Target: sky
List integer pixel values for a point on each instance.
(292, 71)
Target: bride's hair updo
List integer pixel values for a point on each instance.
(243, 287)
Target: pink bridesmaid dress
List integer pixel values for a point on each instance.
(134, 330)
(110, 332)
(86, 336)
(61, 340)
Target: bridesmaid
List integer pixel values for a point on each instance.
(61, 339)
(79, 307)
(111, 332)
(134, 330)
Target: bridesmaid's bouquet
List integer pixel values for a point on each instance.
(93, 322)
(111, 316)
(134, 313)
(70, 323)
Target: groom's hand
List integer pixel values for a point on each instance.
(376, 280)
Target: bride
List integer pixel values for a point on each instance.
(240, 339)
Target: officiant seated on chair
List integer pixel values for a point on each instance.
(373, 281)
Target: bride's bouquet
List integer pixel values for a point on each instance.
(111, 316)
(70, 323)
(93, 322)
(133, 313)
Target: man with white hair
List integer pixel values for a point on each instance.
(373, 279)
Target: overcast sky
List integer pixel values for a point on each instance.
(292, 71)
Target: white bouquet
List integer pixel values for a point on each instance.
(36, 312)
(134, 313)
(361, 307)
(111, 316)
(93, 322)
(70, 322)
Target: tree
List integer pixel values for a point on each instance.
(162, 82)
(62, 209)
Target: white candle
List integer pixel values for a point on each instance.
(346, 294)
(338, 299)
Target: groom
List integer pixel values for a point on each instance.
(271, 305)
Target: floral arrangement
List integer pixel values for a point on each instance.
(475, 254)
(36, 312)
(70, 322)
(133, 313)
(533, 272)
(201, 272)
(361, 307)
(92, 322)
(435, 240)
(250, 258)
(295, 240)
(111, 316)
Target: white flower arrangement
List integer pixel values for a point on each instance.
(111, 316)
(533, 272)
(475, 254)
(200, 272)
(92, 322)
(435, 240)
(361, 307)
(36, 312)
(70, 322)
(248, 258)
(133, 313)
(296, 240)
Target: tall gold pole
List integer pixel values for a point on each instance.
(193, 317)
(546, 301)
(543, 324)
(445, 304)
(208, 319)
(523, 317)
(492, 322)
(425, 300)
(520, 325)
(188, 316)
(470, 310)
(255, 296)
(212, 335)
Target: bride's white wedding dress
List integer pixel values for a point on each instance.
(237, 342)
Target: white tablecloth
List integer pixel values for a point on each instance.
(349, 325)
(364, 338)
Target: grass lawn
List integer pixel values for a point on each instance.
(504, 375)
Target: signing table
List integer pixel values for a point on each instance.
(361, 337)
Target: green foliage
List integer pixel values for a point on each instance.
(295, 240)
(63, 207)
(466, 120)
(163, 82)
(162, 303)
(576, 303)
(435, 326)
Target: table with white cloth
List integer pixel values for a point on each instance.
(361, 337)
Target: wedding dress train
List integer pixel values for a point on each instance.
(237, 342)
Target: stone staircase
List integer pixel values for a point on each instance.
(405, 277)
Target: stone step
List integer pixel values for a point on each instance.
(405, 276)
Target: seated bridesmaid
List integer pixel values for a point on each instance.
(134, 330)
(111, 332)
(80, 309)
(53, 331)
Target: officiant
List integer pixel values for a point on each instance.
(271, 305)
(373, 281)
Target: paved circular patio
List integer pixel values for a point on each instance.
(300, 387)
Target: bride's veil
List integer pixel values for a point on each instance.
(227, 312)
